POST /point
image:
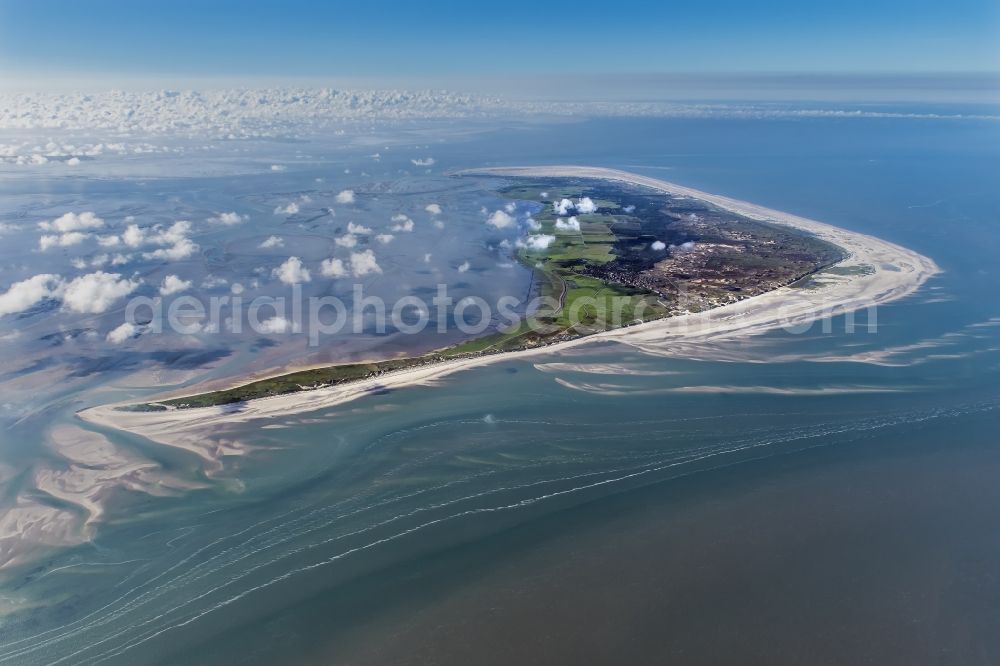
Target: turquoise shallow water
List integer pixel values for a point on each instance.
(817, 508)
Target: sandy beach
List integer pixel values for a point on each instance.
(874, 273)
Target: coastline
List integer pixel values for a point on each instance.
(892, 272)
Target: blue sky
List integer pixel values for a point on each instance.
(370, 39)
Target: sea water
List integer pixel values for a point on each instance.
(815, 495)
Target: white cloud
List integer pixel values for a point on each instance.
(61, 240)
(73, 161)
(363, 263)
(568, 224)
(347, 240)
(229, 219)
(122, 333)
(94, 293)
(272, 242)
(292, 271)
(426, 162)
(500, 219)
(290, 209)
(563, 207)
(274, 325)
(510, 207)
(403, 223)
(463, 267)
(333, 268)
(174, 234)
(172, 284)
(72, 222)
(585, 206)
(212, 281)
(658, 245)
(532, 223)
(537, 242)
(433, 209)
(96, 261)
(183, 249)
(629, 209)
(133, 236)
(27, 293)
(345, 197)
(427, 258)
(358, 228)
(683, 247)
(278, 167)
(384, 238)
(108, 241)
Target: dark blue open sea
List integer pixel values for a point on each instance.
(819, 497)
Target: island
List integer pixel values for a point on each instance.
(680, 265)
(603, 254)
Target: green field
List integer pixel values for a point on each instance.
(577, 304)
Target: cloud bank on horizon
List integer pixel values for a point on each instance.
(263, 113)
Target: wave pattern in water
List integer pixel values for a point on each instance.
(181, 577)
